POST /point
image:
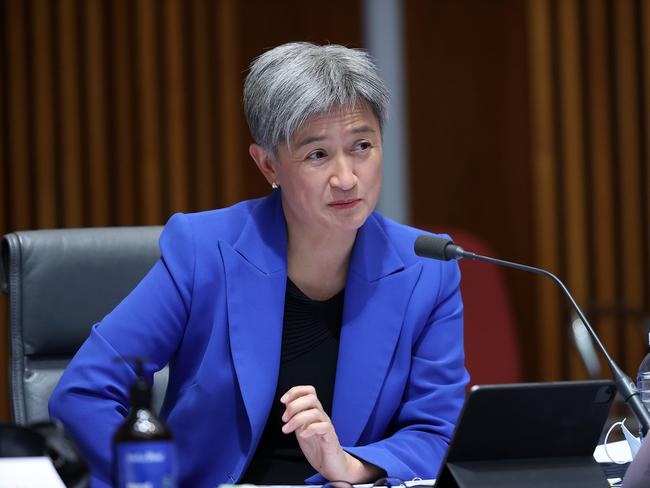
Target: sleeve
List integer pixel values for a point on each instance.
(423, 424)
(91, 399)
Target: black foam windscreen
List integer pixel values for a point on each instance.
(432, 247)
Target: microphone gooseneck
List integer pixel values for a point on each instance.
(445, 250)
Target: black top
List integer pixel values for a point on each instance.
(310, 345)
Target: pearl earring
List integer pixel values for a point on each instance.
(274, 185)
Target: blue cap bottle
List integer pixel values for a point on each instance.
(143, 448)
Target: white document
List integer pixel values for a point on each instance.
(619, 452)
(28, 472)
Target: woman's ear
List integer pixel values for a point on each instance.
(264, 162)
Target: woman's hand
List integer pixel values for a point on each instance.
(317, 438)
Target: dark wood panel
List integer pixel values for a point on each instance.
(468, 131)
(4, 116)
(574, 174)
(44, 133)
(644, 20)
(630, 184)
(204, 151)
(4, 209)
(232, 154)
(176, 136)
(544, 163)
(18, 137)
(122, 96)
(149, 158)
(96, 115)
(97, 111)
(597, 89)
(72, 139)
(604, 264)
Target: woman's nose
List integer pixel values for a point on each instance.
(343, 176)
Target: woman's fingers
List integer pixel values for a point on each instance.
(296, 392)
(304, 416)
(299, 404)
(304, 413)
(303, 419)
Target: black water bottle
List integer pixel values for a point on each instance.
(143, 448)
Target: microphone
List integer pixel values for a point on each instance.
(438, 248)
(445, 250)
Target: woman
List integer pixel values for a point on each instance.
(306, 341)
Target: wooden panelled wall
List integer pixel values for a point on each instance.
(117, 113)
(123, 112)
(469, 133)
(590, 106)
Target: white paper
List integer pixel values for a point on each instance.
(28, 472)
(619, 451)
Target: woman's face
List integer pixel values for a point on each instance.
(331, 175)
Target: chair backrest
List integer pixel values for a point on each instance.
(492, 350)
(60, 282)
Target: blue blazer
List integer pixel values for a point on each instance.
(212, 307)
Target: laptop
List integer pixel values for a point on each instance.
(529, 434)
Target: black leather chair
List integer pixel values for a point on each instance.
(60, 282)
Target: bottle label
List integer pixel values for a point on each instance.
(146, 465)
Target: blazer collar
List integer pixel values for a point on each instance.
(263, 240)
(373, 255)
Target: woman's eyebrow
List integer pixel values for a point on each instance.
(309, 140)
(357, 130)
(362, 129)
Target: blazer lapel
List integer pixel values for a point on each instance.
(255, 270)
(377, 293)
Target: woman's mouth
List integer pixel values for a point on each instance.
(347, 203)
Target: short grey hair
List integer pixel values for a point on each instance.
(291, 83)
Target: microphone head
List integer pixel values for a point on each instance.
(433, 247)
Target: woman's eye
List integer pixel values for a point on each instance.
(363, 145)
(316, 155)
